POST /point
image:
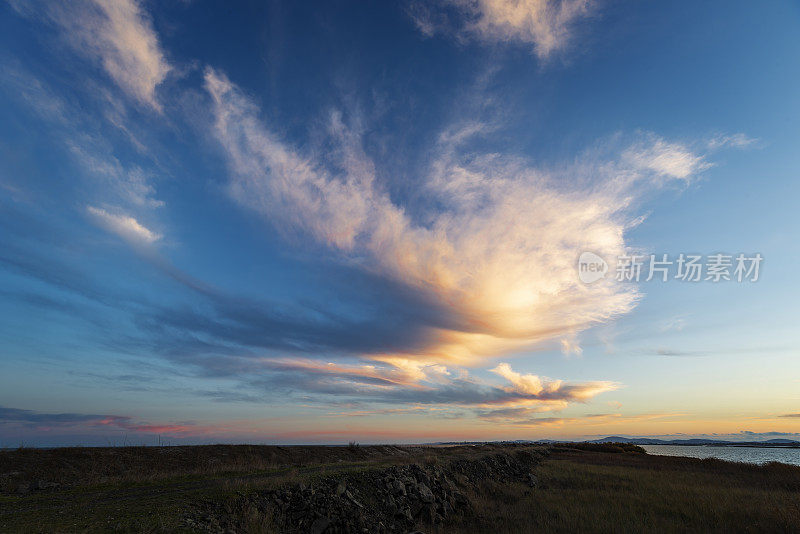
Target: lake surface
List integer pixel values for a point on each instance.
(749, 455)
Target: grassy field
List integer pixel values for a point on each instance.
(151, 489)
(585, 491)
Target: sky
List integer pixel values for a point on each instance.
(323, 222)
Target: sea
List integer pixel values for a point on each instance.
(748, 455)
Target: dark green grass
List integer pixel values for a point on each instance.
(593, 490)
(582, 491)
(150, 489)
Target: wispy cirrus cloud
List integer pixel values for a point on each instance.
(435, 386)
(547, 25)
(118, 34)
(738, 140)
(131, 184)
(39, 421)
(402, 373)
(95, 156)
(124, 226)
(124, 39)
(527, 417)
(666, 160)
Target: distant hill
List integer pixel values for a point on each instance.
(780, 442)
(777, 442)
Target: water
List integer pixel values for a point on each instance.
(749, 455)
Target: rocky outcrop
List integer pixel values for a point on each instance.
(394, 499)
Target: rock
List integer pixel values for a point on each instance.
(446, 509)
(353, 499)
(396, 498)
(425, 493)
(319, 526)
(532, 480)
(405, 513)
(398, 487)
(428, 514)
(23, 488)
(448, 484)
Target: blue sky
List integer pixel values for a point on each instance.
(305, 222)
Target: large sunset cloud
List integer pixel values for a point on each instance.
(499, 251)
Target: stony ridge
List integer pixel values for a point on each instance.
(393, 499)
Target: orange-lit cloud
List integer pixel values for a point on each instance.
(547, 25)
(399, 374)
(435, 386)
(543, 389)
(500, 252)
